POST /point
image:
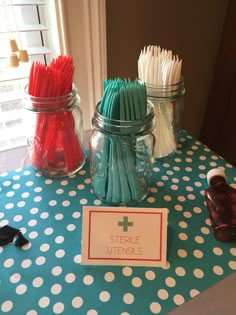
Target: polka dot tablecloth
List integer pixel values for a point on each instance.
(46, 276)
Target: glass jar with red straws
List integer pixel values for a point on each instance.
(54, 120)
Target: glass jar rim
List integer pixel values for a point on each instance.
(124, 127)
(41, 103)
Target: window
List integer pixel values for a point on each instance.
(32, 26)
(73, 27)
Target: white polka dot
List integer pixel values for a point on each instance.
(104, 296)
(83, 201)
(77, 259)
(6, 183)
(199, 239)
(34, 210)
(178, 207)
(21, 204)
(40, 260)
(70, 277)
(205, 230)
(32, 312)
(44, 215)
(193, 293)
(174, 187)
(151, 199)
(127, 271)
(7, 306)
(8, 263)
(58, 308)
(43, 301)
(59, 239)
(21, 289)
(217, 251)
(198, 273)
(233, 251)
(150, 275)
(33, 235)
(37, 199)
(181, 198)
(56, 289)
(80, 187)
(56, 271)
(4, 222)
(232, 265)
(183, 224)
(97, 202)
(38, 189)
(170, 282)
(180, 271)
(16, 277)
(218, 270)
(37, 282)
(128, 298)
(59, 191)
(76, 215)
(72, 193)
(26, 263)
(109, 276)
(60, 253)
(163, 294)
(16, 186)
(52, 203)
(25, 195)
(66, 203)
(48, 181)
(186, 178)
(198, 253)
(155, 307)
(183, 236)
(48, 231)
(182, 253)
(167, 198)
(32, 223)
(88, 280)
(9, 205)
(92, 312)
(197, 210)
(59, 216)
(17, 218)
(178, 299)
(77, 302)
(44, 247)
(136, 282)
(71, 227)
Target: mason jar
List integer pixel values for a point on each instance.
(54, 131)
(121, 158)
(168, 103)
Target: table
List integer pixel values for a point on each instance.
(46, 276)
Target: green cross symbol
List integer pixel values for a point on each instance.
(125, 223)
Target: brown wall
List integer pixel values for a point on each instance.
(191, 29)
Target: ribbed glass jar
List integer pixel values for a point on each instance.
(121, 158)
(54, 130)
(168, 103)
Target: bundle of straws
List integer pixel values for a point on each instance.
(160, 69)
(56, 145)
(123, 101)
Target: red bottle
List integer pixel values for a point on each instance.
(221, 203)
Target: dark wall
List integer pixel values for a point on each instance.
(191, 29)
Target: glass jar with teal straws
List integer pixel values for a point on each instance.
(121, 144)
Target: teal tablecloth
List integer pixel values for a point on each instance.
(47, 278)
